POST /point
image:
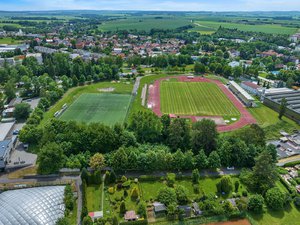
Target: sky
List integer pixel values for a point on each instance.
(161, 5)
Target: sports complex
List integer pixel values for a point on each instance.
(197, 98)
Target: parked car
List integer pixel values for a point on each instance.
(16, 132)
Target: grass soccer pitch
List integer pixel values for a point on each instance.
(106, 108)
(195, 99)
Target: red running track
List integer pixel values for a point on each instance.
(245, 119)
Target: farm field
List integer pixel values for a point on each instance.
(106, 108)
(210, 26)
(145, 23)
(197, 99)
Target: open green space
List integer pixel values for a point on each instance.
(265, 28)
(8, 40)
(145, 23)
(94, 195)
(71, 95)
(268, 119)
(195, 98)
(105, 108)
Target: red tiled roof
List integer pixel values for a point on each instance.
(250, 84)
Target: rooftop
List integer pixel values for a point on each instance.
(32, 206)
(4, 129)
(241, 90)
(3, 147)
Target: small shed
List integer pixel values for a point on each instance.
(130, 216)
(159, 209)
(196, 209)
(96, 215)
(187, 210)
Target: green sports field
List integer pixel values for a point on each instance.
(197, 99)
(106, 108)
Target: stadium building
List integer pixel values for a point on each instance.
(32, 206)
(243, 95)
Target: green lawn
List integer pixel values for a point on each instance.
(265, 28)
(150, 189)
(8, 40)
(268, 119)
(94, 197)
(105, 108)
(71, 95)
(201, 99)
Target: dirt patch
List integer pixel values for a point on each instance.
(106, 89)
(234, 222)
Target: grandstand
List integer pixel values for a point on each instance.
(239, 92)
(272, 98)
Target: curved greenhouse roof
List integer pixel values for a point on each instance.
(32, 206)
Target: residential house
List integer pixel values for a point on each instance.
(6, 147)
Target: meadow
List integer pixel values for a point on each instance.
(210, 26)
(106, 108)
(198, 99)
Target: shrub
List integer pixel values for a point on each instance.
(291, 164)
(195, 176)
(245, 193)
(123, 179)
(111, 190)
(275, 198)
(225, 185)
(126, 184)
(171, 179)
(135, 193)
(256, 203)
(297, 202)
(236, 186)
(196, 188)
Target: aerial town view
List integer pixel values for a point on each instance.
(159, 112)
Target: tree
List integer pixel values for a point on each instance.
(22, 111)
(179, 134)
(167, 196)
(282, 108)
(166, 121)
(225, 185)
(264, 173)
(199, 68)
(214, 160)
(204, 136)
(87, 221)
(51, 158)
(181, 193)
(171, 210)
(97, 161)
(142, 209)
(236, 186)
(275, 198)
(171, 179)
(146, 126)
(122, 207)
(10, 91)
(195, 176)
(256, 203)
(201, 160)
(85, 175)
(62, 221)
(120, 160)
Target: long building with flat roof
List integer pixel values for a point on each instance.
(273, 97)
(243, 95)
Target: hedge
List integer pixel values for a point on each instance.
(291, 164)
